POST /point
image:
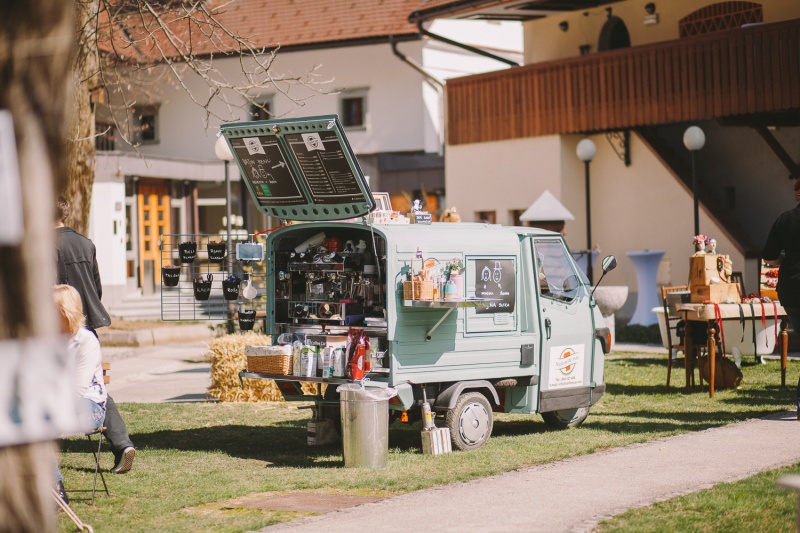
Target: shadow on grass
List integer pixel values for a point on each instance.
(282, 444)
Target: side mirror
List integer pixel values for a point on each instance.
(609, 264)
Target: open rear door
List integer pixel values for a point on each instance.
(300, 169)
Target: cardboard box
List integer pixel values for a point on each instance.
(716, 293)
(702, 269)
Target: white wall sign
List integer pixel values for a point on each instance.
(566, 366)
(10, 192)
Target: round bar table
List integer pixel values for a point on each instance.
(646, 262)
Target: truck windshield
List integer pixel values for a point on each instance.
(557, 278)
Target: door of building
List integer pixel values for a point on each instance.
(154, 207)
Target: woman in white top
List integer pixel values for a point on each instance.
(85, 358)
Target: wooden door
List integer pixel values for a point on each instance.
(153, 200)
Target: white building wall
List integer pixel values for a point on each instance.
(640, 207)
(500, 176)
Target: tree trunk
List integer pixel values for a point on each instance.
(36, 45)
(80, 137)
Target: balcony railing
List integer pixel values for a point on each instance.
(735, 72)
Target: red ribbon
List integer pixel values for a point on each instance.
(775, 320)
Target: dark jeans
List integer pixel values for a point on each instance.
(794, 321)
(116, 431)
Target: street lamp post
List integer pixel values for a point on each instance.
(223, 152)
(586, 151)
(694, 139)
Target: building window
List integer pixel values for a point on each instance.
(145, 122)
(105, 139)
(489, 217)
(514, 215)
(353, 108)
(261, 109)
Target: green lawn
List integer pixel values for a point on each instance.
(753, 504)
(193, 457)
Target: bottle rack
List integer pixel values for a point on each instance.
(178, 303)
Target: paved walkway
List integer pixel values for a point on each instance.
(575, 494)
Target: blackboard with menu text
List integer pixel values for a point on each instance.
(265, 167)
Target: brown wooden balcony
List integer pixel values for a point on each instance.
(735, 72)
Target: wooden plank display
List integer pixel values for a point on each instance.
(495, 279)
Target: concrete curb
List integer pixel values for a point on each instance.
(151, 337)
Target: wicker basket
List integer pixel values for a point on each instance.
(270, 364)
(418, 290)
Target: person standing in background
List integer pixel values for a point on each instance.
(76, 265)
(784, 237)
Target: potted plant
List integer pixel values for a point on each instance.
(202, 287)
(217, 251)
(187, 251)
(247, 319)
(230, 287)
(171, 274)
(453, 271)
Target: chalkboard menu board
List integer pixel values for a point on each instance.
(495, 279)
(300, 168)
(325, 167)
(264, 165)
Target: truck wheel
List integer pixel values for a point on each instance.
(566, 418)
(470, 421)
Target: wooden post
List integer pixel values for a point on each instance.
(784, 344)
(712, 357)
(688, 350)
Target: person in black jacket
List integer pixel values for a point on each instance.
(785, 237)
(77, 266)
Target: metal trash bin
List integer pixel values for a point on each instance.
(365, 425)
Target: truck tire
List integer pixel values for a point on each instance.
(470, 421)
(566, 418)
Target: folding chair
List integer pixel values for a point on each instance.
(672, 318)
(96, 453)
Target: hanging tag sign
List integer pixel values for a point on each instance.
(10, 193)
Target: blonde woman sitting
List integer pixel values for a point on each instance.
(84, 355)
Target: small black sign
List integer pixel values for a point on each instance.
(420, 218)
(495, 279)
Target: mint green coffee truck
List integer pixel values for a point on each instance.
(519, 332)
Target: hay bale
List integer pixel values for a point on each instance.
(228, 359)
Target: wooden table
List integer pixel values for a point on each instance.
(694, 314)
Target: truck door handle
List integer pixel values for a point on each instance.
(547, 325)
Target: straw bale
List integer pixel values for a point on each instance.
(228, 359)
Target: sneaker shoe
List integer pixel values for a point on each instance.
(124, 461)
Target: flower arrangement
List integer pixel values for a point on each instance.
(701, 239)
(456, 266)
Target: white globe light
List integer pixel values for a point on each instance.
(222, 149)
(586, 150)
(694, 139)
